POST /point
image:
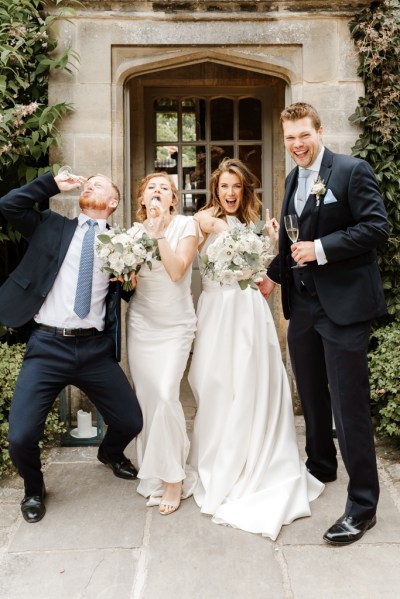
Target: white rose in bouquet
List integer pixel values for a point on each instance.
(123, 251)
(237, 255)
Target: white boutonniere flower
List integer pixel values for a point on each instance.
(318, 189)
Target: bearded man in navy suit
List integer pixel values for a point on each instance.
(331, 290)
(67, 345)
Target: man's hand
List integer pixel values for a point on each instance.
(303, 252)
(266, 286)
(69, 184)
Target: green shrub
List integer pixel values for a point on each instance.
(10, 364)
(384, 366)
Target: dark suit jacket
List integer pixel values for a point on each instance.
(349, 286)
(49, 235)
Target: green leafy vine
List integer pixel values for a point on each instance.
(376, 34)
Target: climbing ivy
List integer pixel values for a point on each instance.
(376, 34)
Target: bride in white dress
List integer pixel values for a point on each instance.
(244, 441)
(161, 324)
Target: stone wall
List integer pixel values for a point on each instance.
(304, 46)
(311, 53)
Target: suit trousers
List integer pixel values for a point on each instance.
(331, 370)
(52, 362)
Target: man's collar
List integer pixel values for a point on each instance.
(316, 165)
(82, 218)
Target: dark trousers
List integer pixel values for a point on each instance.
(51, 362)
(331, 369)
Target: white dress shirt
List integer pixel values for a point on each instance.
(58, 307)
(312, 177)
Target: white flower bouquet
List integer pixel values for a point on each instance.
(237, 255)
(125, 250)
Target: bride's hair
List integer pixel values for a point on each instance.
(250, 206)
(141, 214)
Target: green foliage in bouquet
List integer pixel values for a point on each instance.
(384, 367)
(10, 364)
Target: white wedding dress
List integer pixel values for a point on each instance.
(244, 441)
(161, 324)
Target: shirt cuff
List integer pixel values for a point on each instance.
(319, 252)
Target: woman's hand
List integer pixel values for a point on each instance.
(132, 276)
(160, 219)
(271, 227)
(266, 286)
(210, 224)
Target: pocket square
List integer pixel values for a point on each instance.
(329, 197)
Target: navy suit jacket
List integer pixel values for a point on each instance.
(349, 286)
(49, 235)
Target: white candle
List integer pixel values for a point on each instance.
(84, 424)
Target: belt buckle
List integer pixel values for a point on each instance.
(65, 334)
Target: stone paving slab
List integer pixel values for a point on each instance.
(189, 556)
(330, 506)
(87, 507)
(99, 541)
(358, 571)
(94, 574)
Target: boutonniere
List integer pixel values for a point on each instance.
(318, 189)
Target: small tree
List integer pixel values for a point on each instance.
(28, 52)
(27, 122)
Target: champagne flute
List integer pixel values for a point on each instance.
(292, 229)
(65, 174)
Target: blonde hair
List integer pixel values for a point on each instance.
(249, 209)
(301, 110)
(141, 214)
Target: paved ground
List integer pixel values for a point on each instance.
(99, 541)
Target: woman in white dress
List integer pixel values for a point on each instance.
(161, 324)
(244, 441)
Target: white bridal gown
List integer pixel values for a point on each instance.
(161, 324)
(244, 441)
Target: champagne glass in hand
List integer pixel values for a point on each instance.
(292, 229)
(65, 174)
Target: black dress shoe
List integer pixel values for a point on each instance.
(33, 508)
(348, 530)
(324, 478)
(123, 468)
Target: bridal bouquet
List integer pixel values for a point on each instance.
(125, 250)
(237, 255)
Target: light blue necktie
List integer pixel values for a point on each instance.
(84, 286)
(302, 190)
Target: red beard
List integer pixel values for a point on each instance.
(86, 202)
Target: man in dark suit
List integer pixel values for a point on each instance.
(331, 289)
(74, 339)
